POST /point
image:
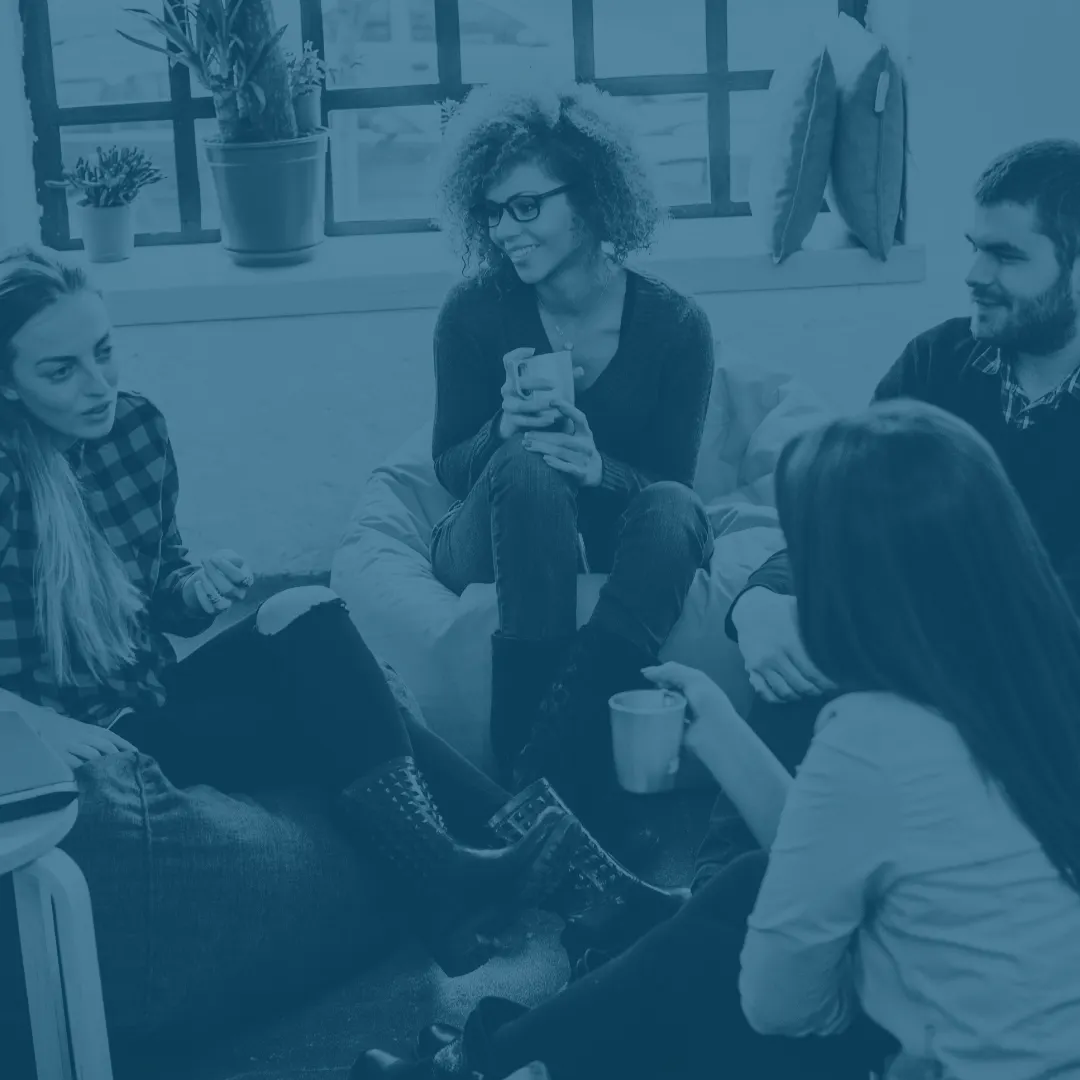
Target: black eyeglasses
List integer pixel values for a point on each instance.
(521, 208)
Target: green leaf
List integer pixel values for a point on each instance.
(264, 52)
(233, 13)
(146, 44)
(174, 34)
(210, 24)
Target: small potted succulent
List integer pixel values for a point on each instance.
(108, 188)
(307, 76)
(270, 177)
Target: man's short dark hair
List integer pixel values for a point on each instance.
(1045, 175)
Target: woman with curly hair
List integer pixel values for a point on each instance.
(546, 196)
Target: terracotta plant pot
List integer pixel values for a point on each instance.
(308, 109)
(108, 232)
(272, 197)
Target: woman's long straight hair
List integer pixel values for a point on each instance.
(918, 572)
(85, 605)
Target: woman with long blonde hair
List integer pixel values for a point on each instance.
(94, 576)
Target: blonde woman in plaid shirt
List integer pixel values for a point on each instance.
(93, 575)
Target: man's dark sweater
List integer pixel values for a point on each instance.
(1042, 461)
(646, 410)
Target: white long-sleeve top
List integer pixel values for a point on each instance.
(902, 880)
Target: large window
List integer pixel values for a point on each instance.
(693, 71)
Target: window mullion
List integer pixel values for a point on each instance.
(188, 190)
(719, 104)
(582, 16)
(48, 155)
(448, 46)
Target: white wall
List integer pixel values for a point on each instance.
(277, 422)
(985, 75)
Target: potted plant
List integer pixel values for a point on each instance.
(307, 76)
(108, 188)
(270, 179)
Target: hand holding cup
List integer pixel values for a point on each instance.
(529, 396)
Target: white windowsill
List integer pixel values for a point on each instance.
(199, 283)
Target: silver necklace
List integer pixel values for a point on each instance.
(566, 343)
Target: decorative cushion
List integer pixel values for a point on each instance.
(867, 179)
(791, 167)
(439, 643)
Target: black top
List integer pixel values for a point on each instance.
(947, 367)
(646, 409)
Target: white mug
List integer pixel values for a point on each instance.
(556, 368)
(646, 738)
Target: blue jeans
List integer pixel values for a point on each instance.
(222, 884)
(668, 1007)
(518, 527)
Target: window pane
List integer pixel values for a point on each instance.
(747, 117)
(673, 129)
(505, 38)
(644, 37)
(382, 161)
(156, 208)
(94, 65)
(286, 13)
(380, 42)
(761, 33)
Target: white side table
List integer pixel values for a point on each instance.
(56, 929)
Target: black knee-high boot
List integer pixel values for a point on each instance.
(455, 893)
(522, 672)
(571, 738)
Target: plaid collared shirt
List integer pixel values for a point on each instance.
(1018, 409)
(130, 482)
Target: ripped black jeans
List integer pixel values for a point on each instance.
(291, 695)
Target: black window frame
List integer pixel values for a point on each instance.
(183, 109)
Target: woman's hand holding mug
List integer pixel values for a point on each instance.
(520, 414)
(527, 399)
(222, 579)
(572, 451)
(708, 707)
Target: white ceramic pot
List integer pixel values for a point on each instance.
(108, 232)
(308, 109)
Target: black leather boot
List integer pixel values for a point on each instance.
(522, 672)
(571, 740)
(606, 908)
(456, 894)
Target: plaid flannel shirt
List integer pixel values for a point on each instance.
(130, 483)
(1017, 408)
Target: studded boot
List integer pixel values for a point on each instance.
(605, 907)
(456, 895)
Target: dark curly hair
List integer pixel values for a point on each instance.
(1045, 174)
(576, 132)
